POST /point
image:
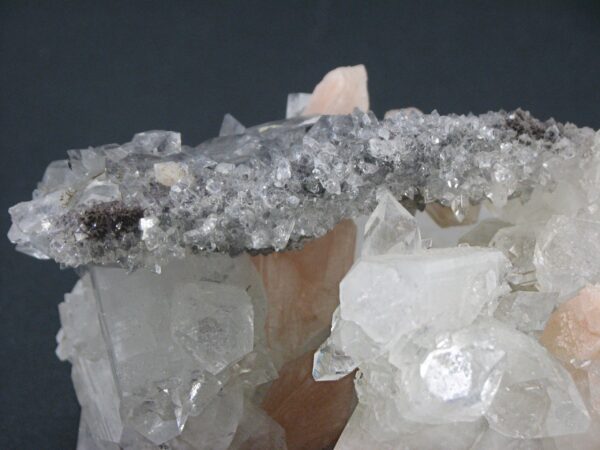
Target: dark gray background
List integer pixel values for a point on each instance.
(79, 73)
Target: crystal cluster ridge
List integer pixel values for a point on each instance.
(272, 186)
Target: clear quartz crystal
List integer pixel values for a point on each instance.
(455, 382)
(525, 310)
(331, 364)
(332, 360)
(360, 433)
(390, 229)
(213, 322)
(518, 244)
(231, 126)
(167, 358)
(537, 397)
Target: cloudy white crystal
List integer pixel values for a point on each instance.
(537, 397)
(527, 311)
(80, 341)
(171, 336)
(455, 382)
(169, 173)
(566, 254)
(389, 296)
(214, 322)
(518, 244)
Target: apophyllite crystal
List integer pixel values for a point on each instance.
(331, 280)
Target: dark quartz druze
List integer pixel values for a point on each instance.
(272, 186)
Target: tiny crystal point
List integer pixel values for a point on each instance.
(390, 229)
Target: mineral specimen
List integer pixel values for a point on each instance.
(331, 280)
(275, 185)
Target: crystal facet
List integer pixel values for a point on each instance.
(416, 282)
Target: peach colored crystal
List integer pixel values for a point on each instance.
(340, 91)
(312, 413)
(302, 289)
(573, 330)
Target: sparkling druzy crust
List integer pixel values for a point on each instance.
(275, 185)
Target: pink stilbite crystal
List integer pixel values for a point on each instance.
(573, 330)
(302, 289)
(312, 413)
(340, 91)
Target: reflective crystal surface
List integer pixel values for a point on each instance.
(518, 244)
(475, 371)
(527, 311)
(331, 280)
(390, 229)
(391, 295)
(272, 186)
(167, 358)
(566, 254)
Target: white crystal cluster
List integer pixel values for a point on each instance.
(272, 186)
(446, 340)
(462, 331)
(174, 360)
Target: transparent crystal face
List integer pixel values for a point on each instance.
(392, 295)
(271, 186)
(390, 229)
(511, 279)
(174, 339)
(213, 322)
(468, 310)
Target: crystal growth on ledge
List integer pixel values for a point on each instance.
(272, 186)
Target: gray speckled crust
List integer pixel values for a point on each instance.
(274, 185)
